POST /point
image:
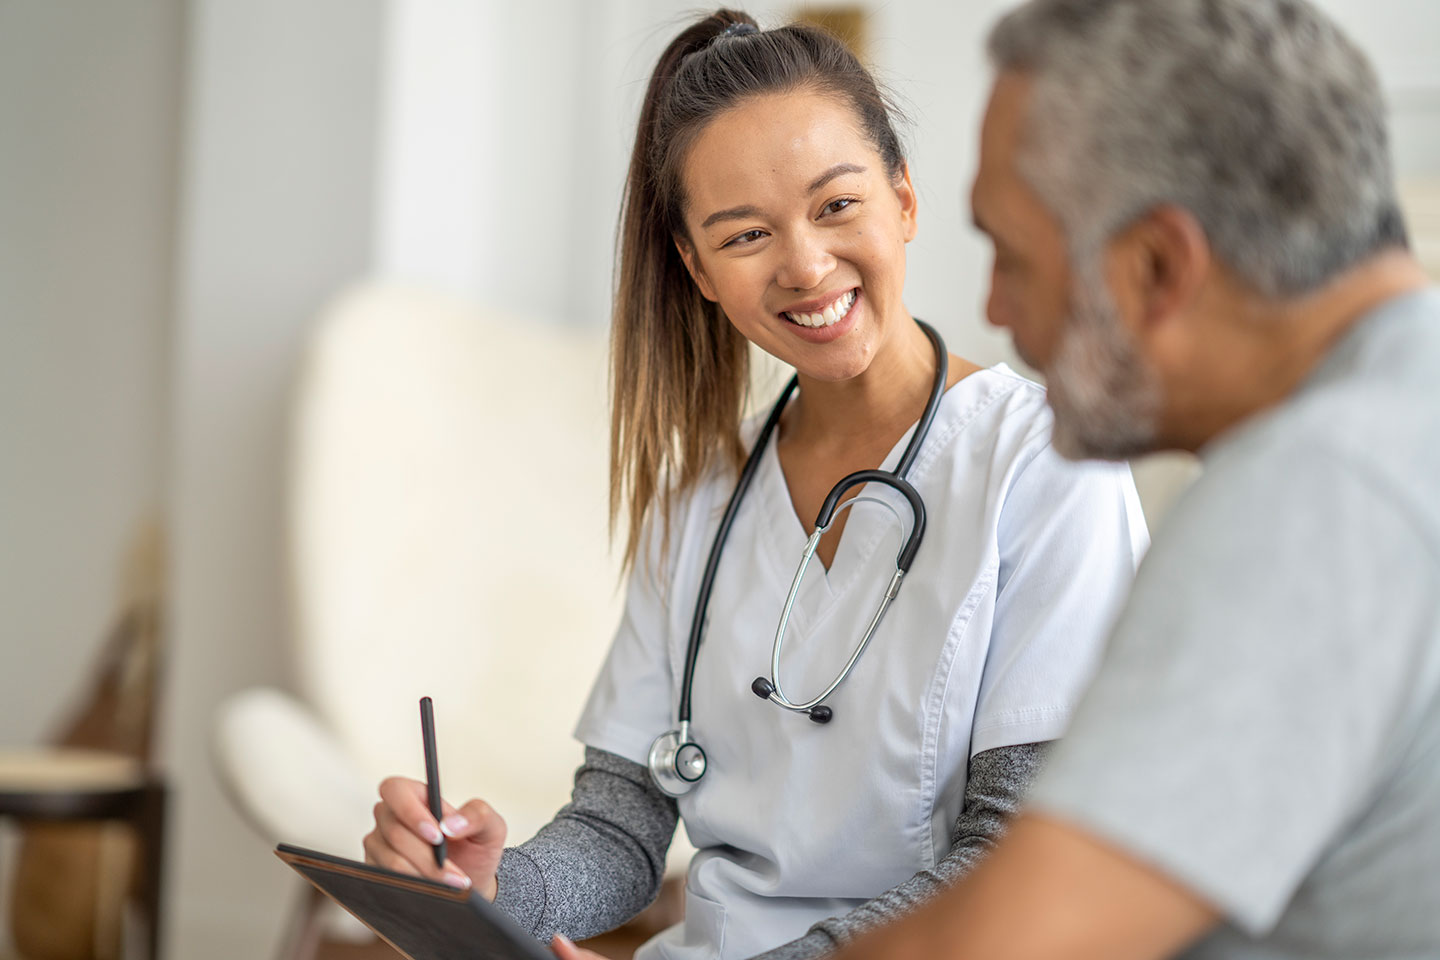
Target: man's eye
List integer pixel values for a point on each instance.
(749, 236)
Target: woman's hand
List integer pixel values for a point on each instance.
(405, 835)
(566, 950)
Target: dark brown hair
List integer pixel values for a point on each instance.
(679, 369)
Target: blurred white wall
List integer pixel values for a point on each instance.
(472, 144)
(277, 213)
(89, 117)
(437, 166)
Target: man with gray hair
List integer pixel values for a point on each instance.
(1197, 240)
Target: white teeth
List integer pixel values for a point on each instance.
(831, 314)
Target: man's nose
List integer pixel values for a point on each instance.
(997, 310)
(992, 315)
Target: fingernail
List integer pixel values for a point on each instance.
(453, 824)
(458, 880)
(430, 832)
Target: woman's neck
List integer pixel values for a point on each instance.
(878, 404)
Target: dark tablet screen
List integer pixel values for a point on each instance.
(422, 919)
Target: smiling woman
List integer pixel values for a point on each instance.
(769, 202)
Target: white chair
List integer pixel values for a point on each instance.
(448, 538)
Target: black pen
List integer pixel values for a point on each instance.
(432, 771)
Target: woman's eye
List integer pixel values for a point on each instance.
(749, 236)
(835, 206)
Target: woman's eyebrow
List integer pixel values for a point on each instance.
(839, 170)
(747, 211)
(734, 213)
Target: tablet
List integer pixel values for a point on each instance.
(422, 919)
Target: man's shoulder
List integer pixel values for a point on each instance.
(1366, 420)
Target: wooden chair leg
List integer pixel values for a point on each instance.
(151, 833)
(302, 941)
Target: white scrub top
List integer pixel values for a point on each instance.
(1025, 560)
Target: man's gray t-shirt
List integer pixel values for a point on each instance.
(1265, 724)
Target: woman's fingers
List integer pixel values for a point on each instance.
(398, 839)
(381, 854)
(392, 846)
(477, 822)
(398, 845)
(565, 950)
(409, 801)
(456, 877)
(406, 833)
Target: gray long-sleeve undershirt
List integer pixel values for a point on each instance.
(601, 860)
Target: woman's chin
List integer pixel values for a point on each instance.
(836, 364)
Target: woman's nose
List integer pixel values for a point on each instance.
(805, 262)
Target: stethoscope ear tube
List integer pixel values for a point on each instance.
(917, 508)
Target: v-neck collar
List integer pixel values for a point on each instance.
(785, 535)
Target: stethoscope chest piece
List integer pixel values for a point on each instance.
(676, 762)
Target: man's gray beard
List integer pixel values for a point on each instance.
(1105, 397)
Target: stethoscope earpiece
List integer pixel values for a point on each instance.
(765, 690)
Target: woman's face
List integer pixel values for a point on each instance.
(798, 232)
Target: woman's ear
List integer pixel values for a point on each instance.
(909, 203)
(697, 272)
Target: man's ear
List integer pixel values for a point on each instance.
(697, 272)
(909, 202)
(1162, 261)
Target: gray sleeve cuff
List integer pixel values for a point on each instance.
(520, 890)
(816, 943)
(599, 862)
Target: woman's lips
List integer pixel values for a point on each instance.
(832, 313)
(834, 330)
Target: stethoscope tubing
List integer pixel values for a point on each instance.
(895, 480)
(831, 506)
(722, 533)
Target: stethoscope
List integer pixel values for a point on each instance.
(677, 762)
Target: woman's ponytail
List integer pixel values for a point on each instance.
(678, 367)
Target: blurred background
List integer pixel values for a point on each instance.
(198, 198)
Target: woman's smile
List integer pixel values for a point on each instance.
(831, 323)
(823, 311)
